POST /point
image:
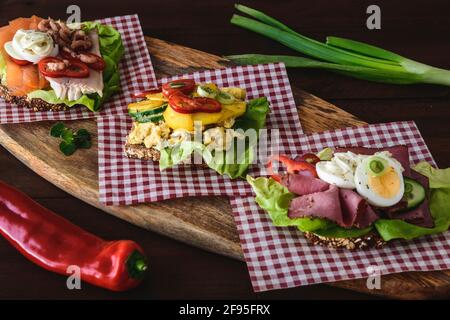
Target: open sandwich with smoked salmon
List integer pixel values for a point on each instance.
(188, 123)
(356, 197)
(46, 64)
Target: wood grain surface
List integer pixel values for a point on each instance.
(206, 223)
(178, 271)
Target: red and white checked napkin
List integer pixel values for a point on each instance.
(126, 181)
(136, 74)
(280, 257)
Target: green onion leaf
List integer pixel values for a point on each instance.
(363, 48)
(344, 56)
(309, 46)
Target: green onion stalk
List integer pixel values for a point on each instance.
(344, 56)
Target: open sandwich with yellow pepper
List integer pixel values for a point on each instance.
(183, 118)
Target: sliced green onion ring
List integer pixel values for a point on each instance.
(377, 166)
(176, 85)
(225, 98)
(206, 92)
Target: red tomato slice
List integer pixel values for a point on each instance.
(76, 70)
(291, 166)
(185, 86)
(98, 65)
(183, 104)
(47, 70)
(20, 62)
(143, 94)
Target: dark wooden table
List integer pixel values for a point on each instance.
(417, 29)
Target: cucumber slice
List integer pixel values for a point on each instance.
(414, 194)
(142, 118)
(152, 106)
(149, 111)
(149, 115)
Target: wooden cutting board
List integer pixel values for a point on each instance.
(205, 222)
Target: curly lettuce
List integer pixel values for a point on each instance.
(439, 200)
(253, 118)
(112, 50)
(2, 69)
(275, 199)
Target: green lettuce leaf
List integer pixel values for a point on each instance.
(255, 115)
(438, 178)
(439, 207)
(112, 50)
(275, 199)
(2, 69)
(170, 157)
(253, 118)
(89, 101)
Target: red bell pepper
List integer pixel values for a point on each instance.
(292, 166)
(53, 243)
(308, 157)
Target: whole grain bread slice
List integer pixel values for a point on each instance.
(370, 240)
(33, 104)
(139, 151)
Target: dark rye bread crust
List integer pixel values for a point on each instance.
(371, 240)
(33, 104)
(140, 151)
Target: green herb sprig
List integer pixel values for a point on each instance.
(71, 141)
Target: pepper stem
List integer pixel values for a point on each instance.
(136, 265)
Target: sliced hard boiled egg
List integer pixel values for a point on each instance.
(10, 50)
(331, 173)
(31, 45)
(379, 180)
(339, 171)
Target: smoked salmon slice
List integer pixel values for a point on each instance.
(20, 80)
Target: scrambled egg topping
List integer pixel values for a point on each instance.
(159, 136)
(152, 135)
(174, 129)
(220, 138)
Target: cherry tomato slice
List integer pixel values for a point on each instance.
(76, 69)
(143, 94)
(20, 62)
(183, 104)
(309, 158)
(45, 67)
(292, 166)
(185, 86)
(98, 65)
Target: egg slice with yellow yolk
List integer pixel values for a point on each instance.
(382, 190)
(387, 185)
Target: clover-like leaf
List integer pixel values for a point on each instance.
(67, 148)
(57, 129)
(67, 135)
